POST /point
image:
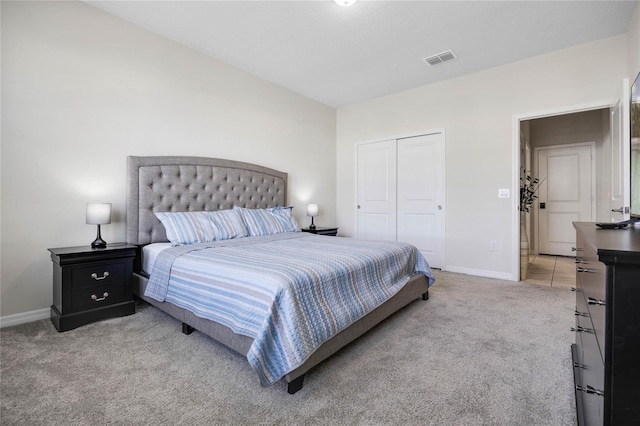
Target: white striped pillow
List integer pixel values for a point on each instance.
(285, 215)
(188, 227)
(229, 224)
(268, 221)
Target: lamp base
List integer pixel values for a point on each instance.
(312, 226)
(98, 243)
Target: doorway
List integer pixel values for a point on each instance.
(612, 153)
(559, 136)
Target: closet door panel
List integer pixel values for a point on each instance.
(377, 189)
(408, 223)
(419, 194)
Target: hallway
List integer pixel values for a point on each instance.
(553, 271)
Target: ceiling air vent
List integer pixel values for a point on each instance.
(440, 58)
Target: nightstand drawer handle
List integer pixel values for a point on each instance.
(95, 276)
(99, 299)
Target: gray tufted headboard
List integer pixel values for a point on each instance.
(178, 184)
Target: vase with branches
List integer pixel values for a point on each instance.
(529, 185)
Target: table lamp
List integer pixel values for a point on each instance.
(98, 214)
(312, 211)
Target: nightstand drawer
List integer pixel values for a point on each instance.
(97, 297)
(98, 274)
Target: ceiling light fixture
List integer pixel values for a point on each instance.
(344, 3)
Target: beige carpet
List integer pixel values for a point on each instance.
(479, 352)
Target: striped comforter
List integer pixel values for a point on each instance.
(289, 292)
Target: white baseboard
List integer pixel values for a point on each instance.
(480, 273)
(25, 317)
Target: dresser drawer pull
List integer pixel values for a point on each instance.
(592, 301)
(95, 276)
(578, 260)
(578, 365)
(576, 249)
(590, 390)
(584, 270)
(100, 299)
(576, 289)
(582, 329)
(581, 314)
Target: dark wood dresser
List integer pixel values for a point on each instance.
(606, 353)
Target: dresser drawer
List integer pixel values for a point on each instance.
(591, 274)
(583, 318)
(585, 337)
(593, 380)
(588, 367)
(97, 274)
(592, 278)
(96, 297)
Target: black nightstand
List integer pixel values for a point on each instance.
(322, 231)
(91, 284)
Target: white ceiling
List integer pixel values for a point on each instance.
(343, 55)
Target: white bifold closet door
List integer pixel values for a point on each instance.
(400, 193)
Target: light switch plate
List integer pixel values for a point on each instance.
(503, 193)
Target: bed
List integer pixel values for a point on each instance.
(197, 184)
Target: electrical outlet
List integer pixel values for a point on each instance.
(503, 193)
(493, 245)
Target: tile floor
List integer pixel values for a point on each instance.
(554, 271)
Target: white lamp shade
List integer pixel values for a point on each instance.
(98, 213)
(312, 210)
(345, 3)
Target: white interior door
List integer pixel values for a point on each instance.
(376, 186)
(565, 195)
(420, 195)
(620, 173)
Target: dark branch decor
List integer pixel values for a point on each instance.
(528, 187)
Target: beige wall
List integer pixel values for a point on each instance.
(567, 128)
(477, 112)
(82, 90)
